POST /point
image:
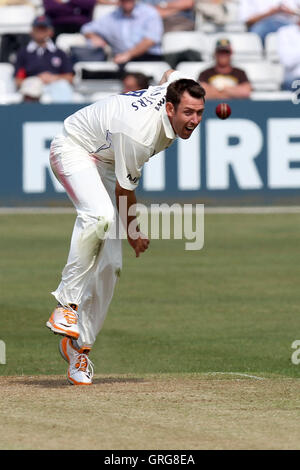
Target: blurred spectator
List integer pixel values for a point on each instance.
(133, 31)
(67, 16)
(41, 58)
(223, 81)
(288, 39)
(133, 81)
(218, 12)
(267, 16)
(31, 89)
(177, 15)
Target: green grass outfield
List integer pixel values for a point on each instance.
(234, 306)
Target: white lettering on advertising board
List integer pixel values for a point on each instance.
(36, 156)
(232, 145)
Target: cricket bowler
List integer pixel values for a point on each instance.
(98, 158)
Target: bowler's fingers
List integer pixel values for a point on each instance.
(141, 246)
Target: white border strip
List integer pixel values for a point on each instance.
(207, 210)
(235, 373)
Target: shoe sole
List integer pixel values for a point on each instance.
(59, 331)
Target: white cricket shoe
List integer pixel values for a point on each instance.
(80, 371)
(64, 321)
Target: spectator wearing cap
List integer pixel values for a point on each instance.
(267, 16)
(42, 59)
(133, 31)
(223, 81)
(68, 16)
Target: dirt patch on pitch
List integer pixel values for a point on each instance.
(150, 412)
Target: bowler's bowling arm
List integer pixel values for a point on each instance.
(130, 200)
(165, 76)
(139, 242)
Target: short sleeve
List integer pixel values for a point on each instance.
(243, 77)
(130, 157)
(205, 76)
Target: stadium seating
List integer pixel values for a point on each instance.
(246, 46)
(193, 69)
(7, 84)
(177, 41)
(154, 70)
(271, 47)
(66, 41)
(264, 76)
(16, 19)
(88, 77)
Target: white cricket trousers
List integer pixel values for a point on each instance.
(95, 257)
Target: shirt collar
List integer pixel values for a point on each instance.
(33, 46)
(170, 134)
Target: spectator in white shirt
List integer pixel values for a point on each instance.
(267, 16)
(288, 38)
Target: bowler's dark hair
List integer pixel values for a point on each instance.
(176, 89)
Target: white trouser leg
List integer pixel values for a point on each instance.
(88, 281)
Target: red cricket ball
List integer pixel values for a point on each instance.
(223, 110)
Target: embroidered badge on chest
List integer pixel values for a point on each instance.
(56, 61)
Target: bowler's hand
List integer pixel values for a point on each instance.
(139, 245)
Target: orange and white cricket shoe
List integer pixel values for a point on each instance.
(81, 370)
(64, 321)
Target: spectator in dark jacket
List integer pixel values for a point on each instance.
(42, 59)
(69, 16)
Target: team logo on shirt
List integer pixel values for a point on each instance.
(56, 61)
(160, 103)
(133, 180)
(149, 99)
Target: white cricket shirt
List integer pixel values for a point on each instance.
(125, 129)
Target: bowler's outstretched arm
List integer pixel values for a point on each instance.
(141, 243)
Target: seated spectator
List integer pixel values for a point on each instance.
(133, 81)
(40, 58)
(177, 15)
(267, 16)
(288, 37)
(68, 16)
(223, 81)
(218, 12)
(133, 31)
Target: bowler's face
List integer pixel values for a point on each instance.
(187, 116)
